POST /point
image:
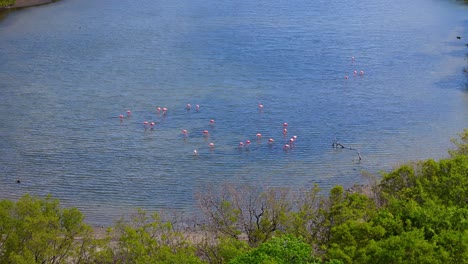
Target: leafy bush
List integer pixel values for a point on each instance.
(149, 240)
(36, 230)
(279, 250)
(4, 3)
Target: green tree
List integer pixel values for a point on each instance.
(221, 249)
(148, 240)
(340, 208)
(461, 144)
(5, 3)
(445, 182)
(279, 250)
(304, 221)
(349, 239)
(409, 247)
(34, 230)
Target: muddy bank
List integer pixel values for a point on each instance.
(28, 3)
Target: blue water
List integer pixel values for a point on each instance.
(69, 69)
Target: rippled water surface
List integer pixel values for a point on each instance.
(69, 69)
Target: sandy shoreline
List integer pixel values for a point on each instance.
(28, 3)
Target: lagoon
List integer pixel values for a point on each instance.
(69, 69)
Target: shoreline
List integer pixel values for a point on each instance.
(27, 3)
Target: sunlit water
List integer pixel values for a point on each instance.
(69, 69)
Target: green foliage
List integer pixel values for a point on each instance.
(409, 247)
(286, 249)
(461, 144)
(342, 208)
(4, 3)
(445, 181)
(349, 240)
(222, 250)
(417, 213)
(149, 240)
(304, 221)
(422, 215)
(453, 245)
(39, 231)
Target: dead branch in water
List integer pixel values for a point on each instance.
(336, 144)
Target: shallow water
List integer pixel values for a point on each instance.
(69, 69)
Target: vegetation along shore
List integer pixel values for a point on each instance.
(417, 213)
(11, 4)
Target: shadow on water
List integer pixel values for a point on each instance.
(3, 14)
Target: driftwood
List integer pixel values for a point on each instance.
(336, 144)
